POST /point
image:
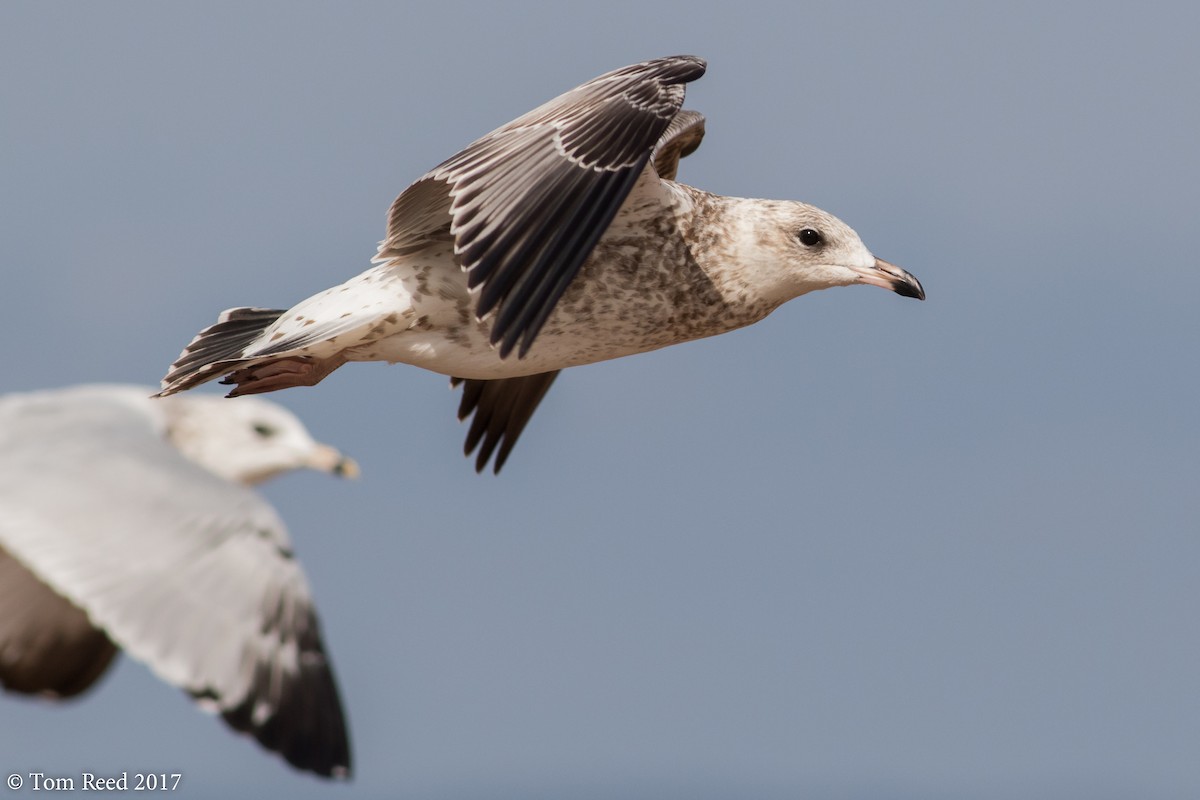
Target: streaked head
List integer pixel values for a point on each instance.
(819, 251)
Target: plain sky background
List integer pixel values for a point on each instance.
(869, 549)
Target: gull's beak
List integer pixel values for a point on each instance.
(889, 276)
(328, 459)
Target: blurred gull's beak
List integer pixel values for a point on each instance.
(328, 459)
(889, 276)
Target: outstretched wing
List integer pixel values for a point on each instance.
(185, 571)
(527, 203)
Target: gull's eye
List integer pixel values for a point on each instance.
(809, 238)
(263, 430)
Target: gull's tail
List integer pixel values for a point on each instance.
(218, 349)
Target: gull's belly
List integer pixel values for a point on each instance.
(572, 337)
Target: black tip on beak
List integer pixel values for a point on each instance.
(913, 289)
(900, 281)
(345, 468)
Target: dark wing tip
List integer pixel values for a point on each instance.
(682, 68)
(307, 727)
(499, 411)
(295, 709)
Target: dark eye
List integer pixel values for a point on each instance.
(265, 431)
(809, 238)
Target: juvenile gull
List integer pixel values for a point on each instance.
(562, 236)
(126, 522)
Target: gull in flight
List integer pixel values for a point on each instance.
(559, 239)
(128, 522)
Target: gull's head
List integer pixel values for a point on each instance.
(809, 249)
(247, 439)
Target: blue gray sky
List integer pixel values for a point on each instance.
(869, 549)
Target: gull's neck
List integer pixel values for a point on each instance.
(735, 243)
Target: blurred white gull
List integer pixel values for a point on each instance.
(561, 235)
(126, 522)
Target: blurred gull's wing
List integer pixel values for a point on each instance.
(187, 572)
